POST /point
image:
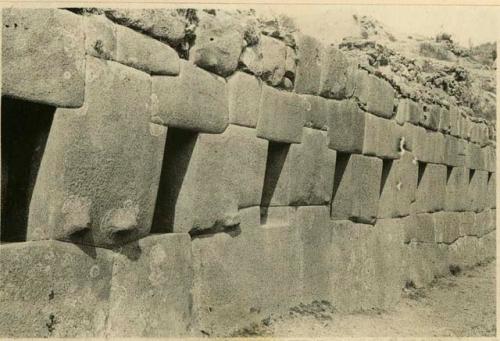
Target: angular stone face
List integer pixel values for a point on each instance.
(309, 60)
(428, 146)
(195, 100)
(423, 262)
(457, 183)
(444, 121)
(431, 189)
(218, 45)
(346, 127)
(363, 277)
(43, 56)
(419, 228)
(267, 60)
(144, 53)
(382, 138)
(489, 158)
(356, 188)
(454, 124)
(477, 198)
(301, 174)
(491, 190)
(409, 111)
(431, 117)
(226, 270)
(374, 94)
(281, 116)
(99, 175)
(484, 223)
(243, 96)
(447, 226)
(454, 154)
(468, 224)
(100, 37)
(54, 289)
(336, 74)
(398, 188)
(151, 288)
(317, 111)
(474, 159)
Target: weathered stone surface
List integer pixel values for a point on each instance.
(43, 56)
(301, 174)
(454, 153)
(474, 159)
(226, 271)
(90, 185)
(447, 226)
(277, 215)
(444, 121)
(468, 224)
(375, 95)
(454, 124)
(356, 188)
(243, 96)
(408, 111)
(314, 228)
(317, 111)
(382, 138)
(162, 23)
(281, 116)
(364, 278)
(418, 228)
(431, 116)
(309, 59)
(100, 37)
(54, 289)
(428, 146)
(151, 288)
(195, 100)
(346, 127)
(489, 158)
(336, 74)
(465, 252)
(398, 187)
(477, 199)
(484, 222)
(424, 261)
(144, 53)
(266, 60)
(491, 200)
(431, 189)
(457, 184)
(218, 45)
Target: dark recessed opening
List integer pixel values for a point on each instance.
(449, 169)
(421, 171)
(489, 176)
(340, 167)
(177, 155)
(471, 174)
(276, 157)
(25, 129)
(386, 170)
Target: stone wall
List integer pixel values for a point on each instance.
(187, 172)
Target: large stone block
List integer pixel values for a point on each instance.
(474, 158)
(301, 174)
(313, 225)
(423, 262)
(243, 96)
(267, 60)
(489, 158)
(491, 194)
(447, 226)
(144, 53)
(263, 279)
(100, 171)
(428, 146)
(484, 222)
(382, 138)
(219, 42)
(457, 184)
(444, 121)
(418, 228)
(374, 94)
(409, 111)
(454, 153)
(398, 187)
(465, 252)
(346, 127)
(431, 116)
(151, 288)
(195, 100)
(363, 278)
(317, 111)
(477, 199)
(54, 289)
(468, 224)
(309, 59)
(336, 74)
(431, 188)
(281, 116)
(454, 124)
(356, 188)
(100, 37)
(43, 56)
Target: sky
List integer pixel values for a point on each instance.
(467, 24)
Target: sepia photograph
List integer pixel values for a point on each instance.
(208, 170)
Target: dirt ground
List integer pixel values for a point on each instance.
(457, 305)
